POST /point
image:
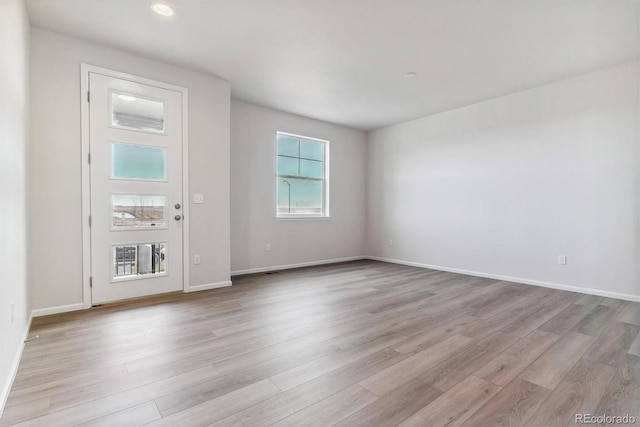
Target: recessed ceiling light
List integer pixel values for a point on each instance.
(162, 8)
(410, 75)
(127, 97)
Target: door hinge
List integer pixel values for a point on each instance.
(91, 282)
(89, 220)
(88, 96)
(89, 158)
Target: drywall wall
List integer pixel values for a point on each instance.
(14, 117)
(253, 193)
(56, 222)
(504, 187)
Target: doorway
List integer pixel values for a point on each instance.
(136, 182)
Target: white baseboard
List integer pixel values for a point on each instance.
(298, 265)
(559, 286)
(14, 367)
(207, 286)
(56, 310)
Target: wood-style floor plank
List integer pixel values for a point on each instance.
(331, 410)
(549, 369)
(596, 321)
(221, 407)
(578, 393)
(455, 406)
(613, 343)
(298, 398)
(630, 313)
(393, 377)
(622, 395)
(355, 343)
(467, 361)
(395, 407)
(512, 406)
(507, 365)
(567, 318)
(138, 415)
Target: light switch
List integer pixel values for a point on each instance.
(198, 198)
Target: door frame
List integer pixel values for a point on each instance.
(85, 69)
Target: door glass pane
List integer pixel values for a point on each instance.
(132, 112)
(138, 162)
(305, 197)
(138, 211)
(312, 150)
(311, 168)
(141, 259)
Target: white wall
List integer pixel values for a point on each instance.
(253, 193)
(504, 186)
(14, 79)
(56, 223)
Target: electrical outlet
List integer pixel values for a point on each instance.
(198, 198)
(268, 247)
(13, 311)
(390, 242)
(562, 259)
(196, 259)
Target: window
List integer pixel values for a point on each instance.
(302, 176)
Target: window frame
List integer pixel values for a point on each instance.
(324, 180)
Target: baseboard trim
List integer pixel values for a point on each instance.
(58, 309)
(559, 286)
(208, 286)
(14, 367)
(297, 265)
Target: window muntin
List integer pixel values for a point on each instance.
(302, 184)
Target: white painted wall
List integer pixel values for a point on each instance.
(56, 223)
(253, 193)
(14, 79)
(504, 186)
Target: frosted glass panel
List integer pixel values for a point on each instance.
(138, 162)
(138, 211)
(141, 259)
(132, 112)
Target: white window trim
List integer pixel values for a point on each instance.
(325, 188)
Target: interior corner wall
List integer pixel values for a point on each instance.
(503, 187)
(56, 213)
(253, 193)
(14, 118)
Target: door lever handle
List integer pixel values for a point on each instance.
(177, 217)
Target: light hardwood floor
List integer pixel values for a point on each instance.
(360, 343)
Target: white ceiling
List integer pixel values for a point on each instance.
(343, 60)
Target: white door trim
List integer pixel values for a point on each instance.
(85, 69)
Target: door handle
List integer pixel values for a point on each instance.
(177, 217)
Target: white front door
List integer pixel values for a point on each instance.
(135, 143)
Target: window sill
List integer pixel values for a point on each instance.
(303, 218)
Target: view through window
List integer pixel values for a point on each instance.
(302, 183)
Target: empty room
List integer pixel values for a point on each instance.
(248, 213)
